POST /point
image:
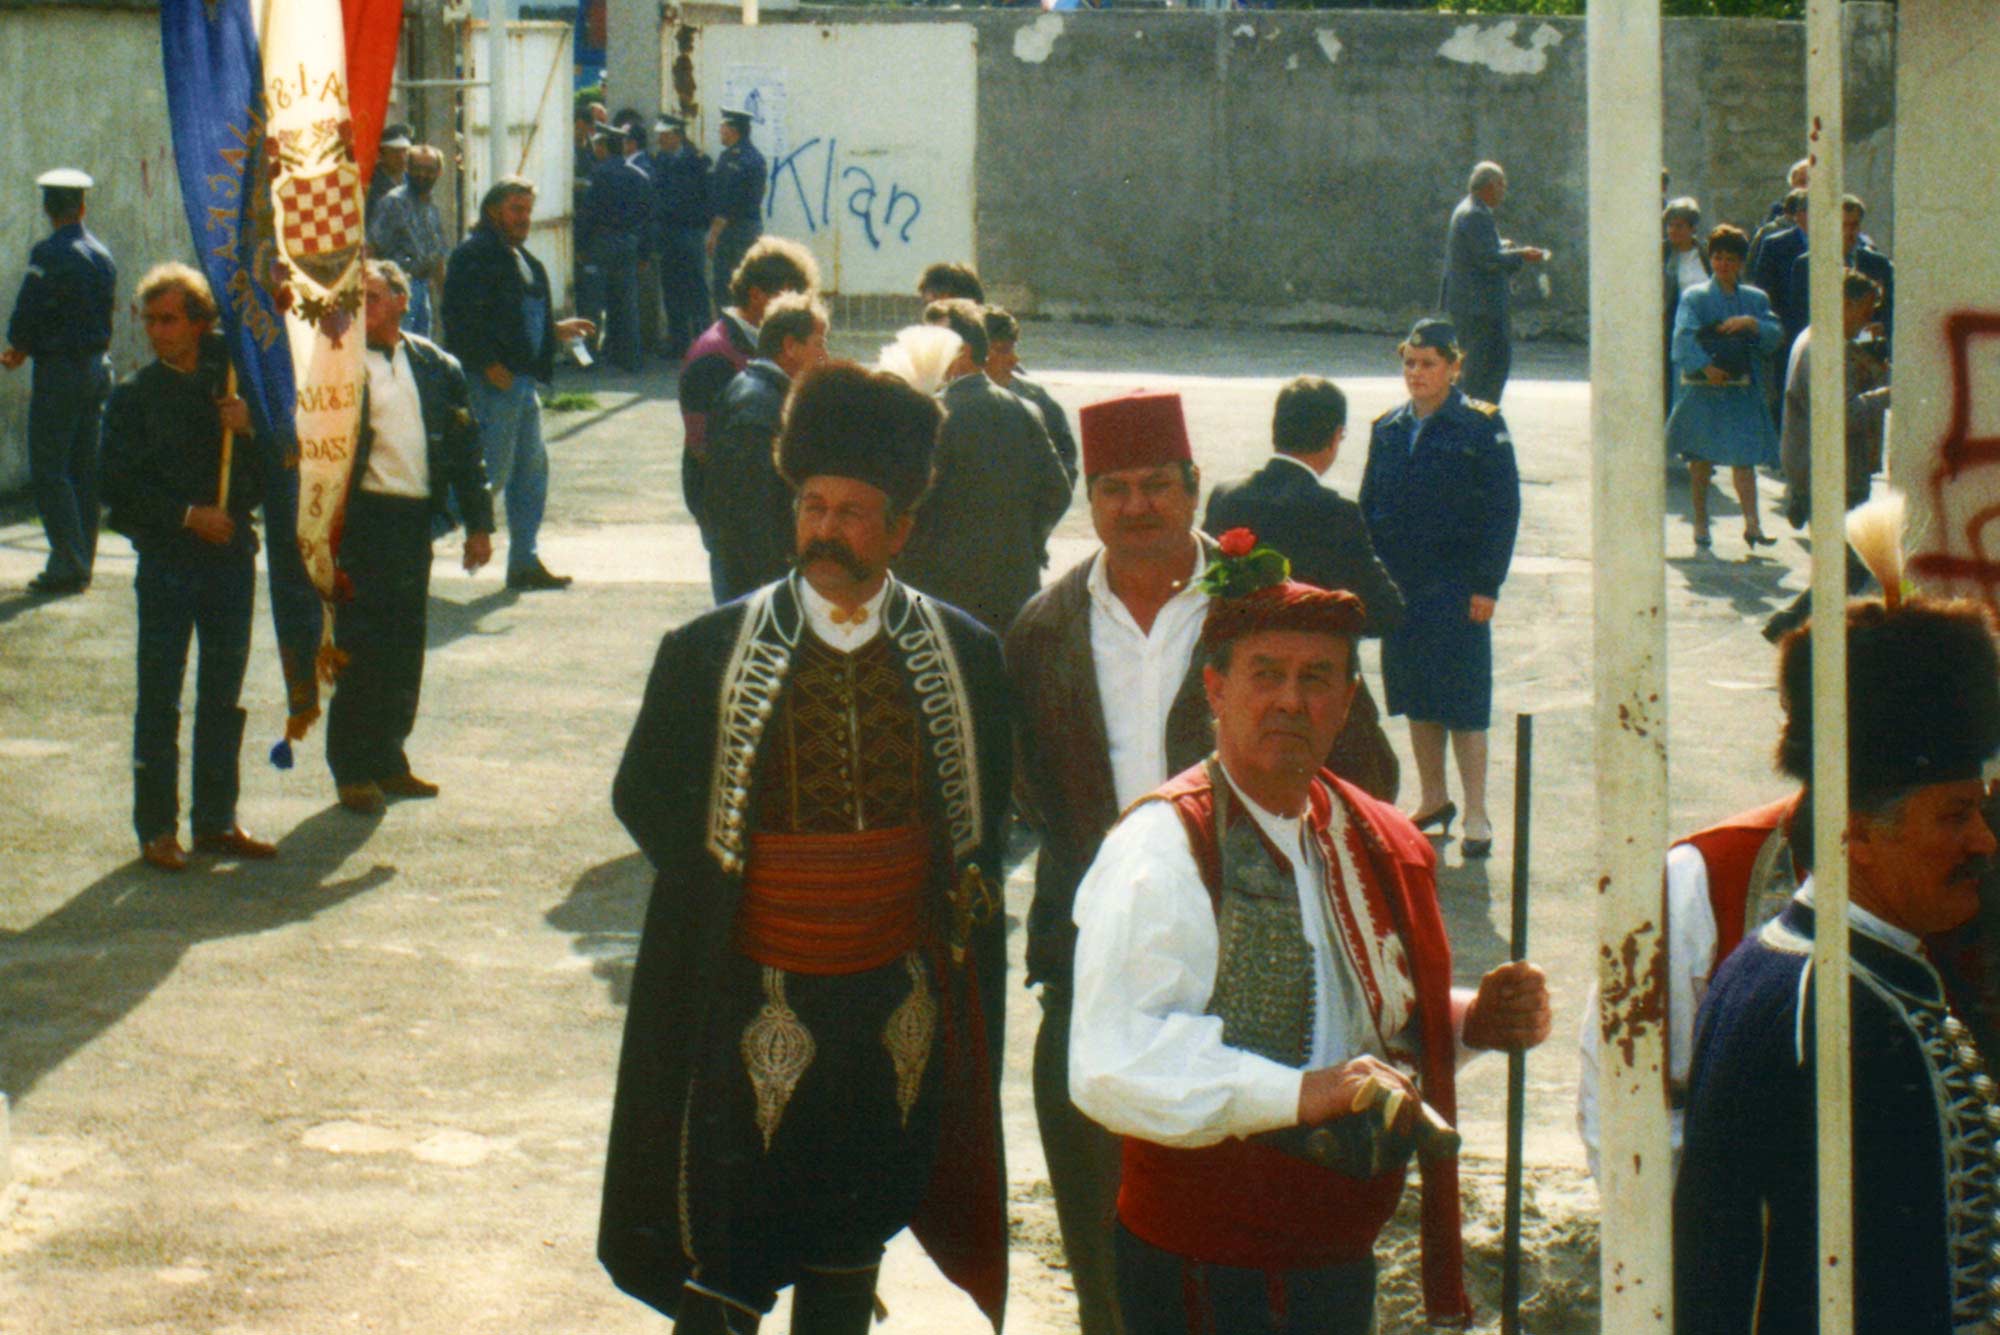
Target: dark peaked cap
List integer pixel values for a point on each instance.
(846, 421)
(1923, 686)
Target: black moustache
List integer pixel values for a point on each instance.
(832, 549)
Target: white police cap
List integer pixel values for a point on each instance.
(65, 178)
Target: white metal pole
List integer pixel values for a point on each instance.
(1628, 515)
(497, 102)
(1829, 664)
(749, 13)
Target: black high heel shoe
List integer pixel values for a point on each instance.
(1442, 817)
(1758, 539)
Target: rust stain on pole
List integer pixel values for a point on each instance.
(1635, 993)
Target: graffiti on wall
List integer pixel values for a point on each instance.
(812, 175)
(1965, 553)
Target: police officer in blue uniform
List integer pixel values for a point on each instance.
(736, 201)
(1442, 501)
(62, 319)
(680, 218)
(620, 206)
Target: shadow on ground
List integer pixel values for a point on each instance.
(446, 621)
(84, 967)
(1751, 586)
(604, 912)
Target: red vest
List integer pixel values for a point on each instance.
(1730, 849)
(1242, 1203)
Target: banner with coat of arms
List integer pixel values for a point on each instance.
(271, 149)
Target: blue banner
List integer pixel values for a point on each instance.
(215, 80)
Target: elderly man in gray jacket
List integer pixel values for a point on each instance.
(1477, 264)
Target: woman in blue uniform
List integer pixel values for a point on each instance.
(1442, 501)
(1724, 334)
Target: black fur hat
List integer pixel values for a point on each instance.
(843, 420)
(1923, 697)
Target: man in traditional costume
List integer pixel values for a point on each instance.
(1108, 703)
(1264, 1003)
(819, 775)
(1924, 719)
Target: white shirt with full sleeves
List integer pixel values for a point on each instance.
(1138, 675)
(1144, 1058)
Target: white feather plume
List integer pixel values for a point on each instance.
(921, 355)
(1875, 532)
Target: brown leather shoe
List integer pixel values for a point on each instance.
(408, 785)
(165, 852)
(365, 798)
(235, 842)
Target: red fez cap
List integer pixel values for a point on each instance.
(1143, 429)
(1251, 590)
(1287, 606)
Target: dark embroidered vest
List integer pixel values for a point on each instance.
(842, 749)
(1265, 991)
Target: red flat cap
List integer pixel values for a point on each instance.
(1143, 429)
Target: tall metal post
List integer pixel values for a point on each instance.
(1628, 515)
(499, 157)
(1824, 111)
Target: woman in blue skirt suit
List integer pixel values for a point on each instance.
(1724, 334)
(1443, 501)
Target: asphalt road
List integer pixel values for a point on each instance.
(365, 1087)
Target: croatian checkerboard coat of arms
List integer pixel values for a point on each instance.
(317, 191)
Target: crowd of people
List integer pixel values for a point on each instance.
(1737, 313)
(1250, 1027)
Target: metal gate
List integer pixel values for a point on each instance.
(537, 82)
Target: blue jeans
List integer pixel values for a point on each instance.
(65, 419)
(417, 316)
(510, 433)
(210, 598)
(616, 256)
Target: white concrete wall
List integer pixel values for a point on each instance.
(1947, 276)
(869, 131)
(107, 115)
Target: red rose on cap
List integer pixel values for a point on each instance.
(1237, 542)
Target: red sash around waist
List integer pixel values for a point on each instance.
(833, 903)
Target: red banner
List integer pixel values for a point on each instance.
(374, 30)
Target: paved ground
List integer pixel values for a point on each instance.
(366, 1087)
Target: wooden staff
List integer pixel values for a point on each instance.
(1517, 1062)
(228, 445)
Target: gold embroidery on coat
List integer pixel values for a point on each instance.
(777, 1049)
(908, 1036)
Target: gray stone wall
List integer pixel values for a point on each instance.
(1299, 167)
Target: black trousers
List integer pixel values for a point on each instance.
(1165, 1294)
(386, 553)
(207, 598)
(1083, 1171)
(1489, 356)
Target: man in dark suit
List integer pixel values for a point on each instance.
(1477, 265)
(1322, 533)
(1857, 253)
(749, 504)
(418, 445)
(982, 537)
(1003, 368)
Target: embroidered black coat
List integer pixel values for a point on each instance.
(692, 761)
(1746, 1216)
